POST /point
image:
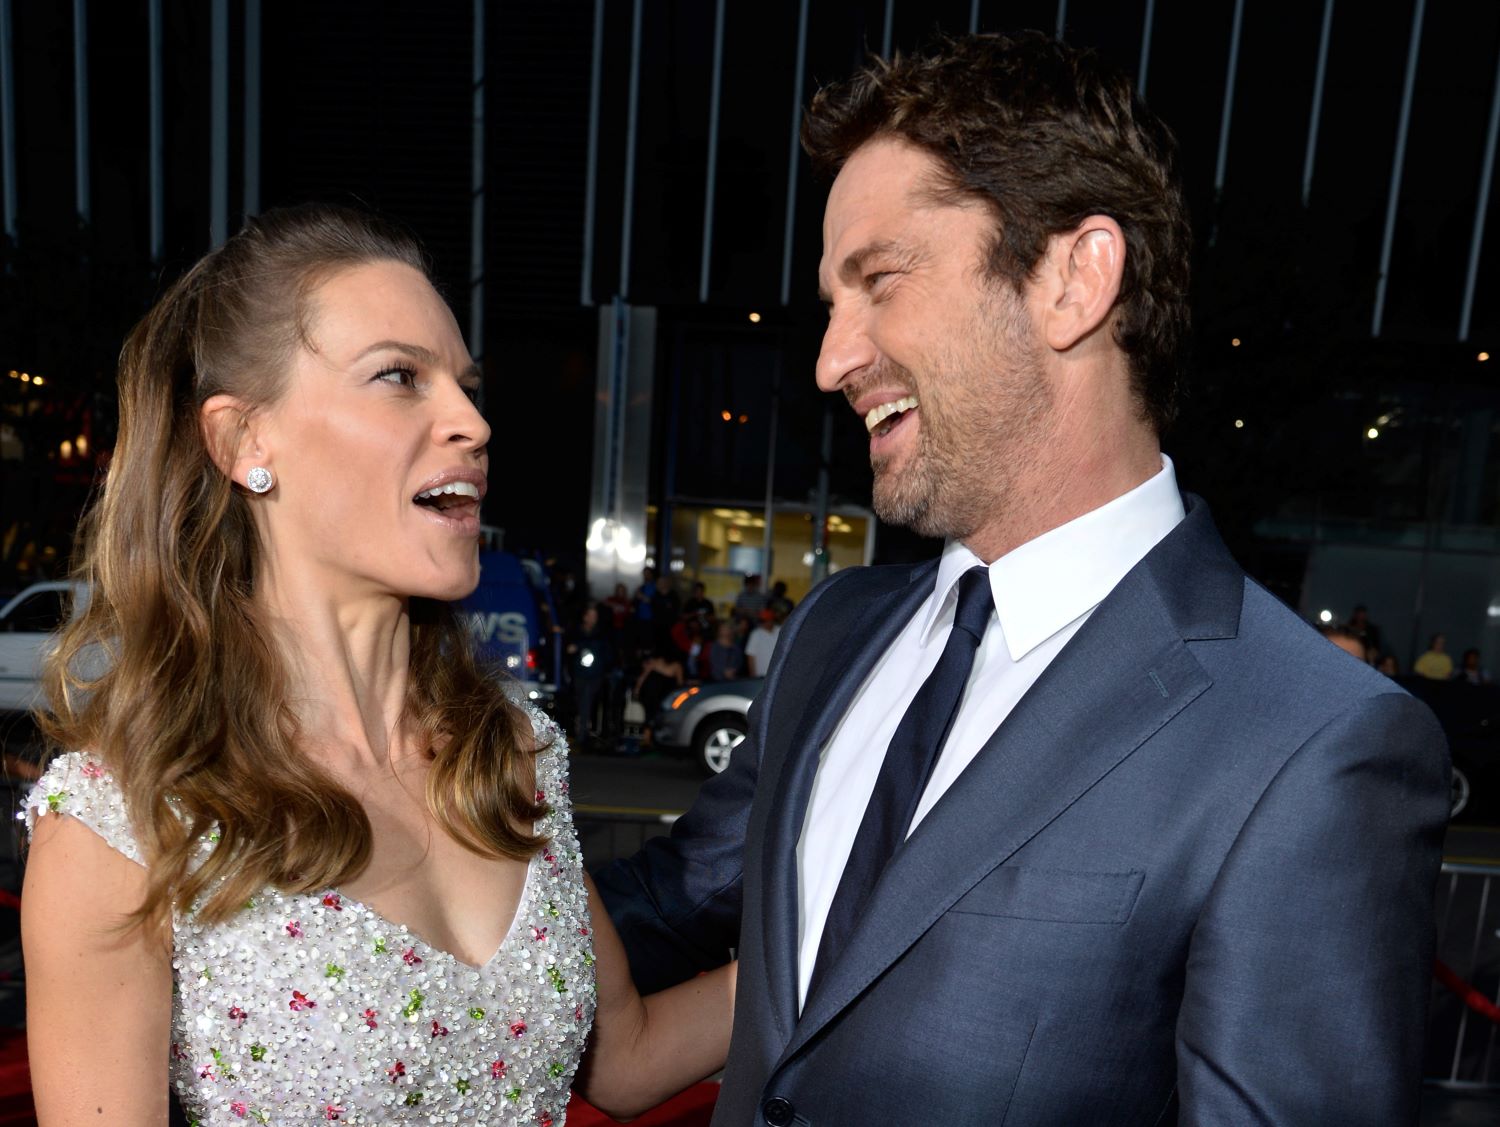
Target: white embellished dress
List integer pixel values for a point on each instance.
(312, 1008)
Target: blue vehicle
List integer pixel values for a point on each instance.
(511, 615)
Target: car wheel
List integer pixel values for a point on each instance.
(1460, 792)
(716, 738)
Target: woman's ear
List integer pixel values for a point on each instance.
(231, 436)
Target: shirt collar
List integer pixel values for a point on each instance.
(1062, 574)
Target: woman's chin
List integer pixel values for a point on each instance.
(447, 588)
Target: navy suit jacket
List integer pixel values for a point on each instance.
(1189, 878)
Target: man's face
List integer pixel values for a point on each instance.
(942, 364)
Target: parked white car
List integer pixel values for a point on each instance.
(27, 624)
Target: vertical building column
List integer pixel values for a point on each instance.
(218, 203)
(476, 194)
(156, 158)
(251, 201)
(8, 193)
(627, 208)
(1316, 116)
(1393, 198)
(591, 181)
(617, 545)
(795, 148)
(1148, 27)
(1481, 207)
(81, 190)
(710, 186)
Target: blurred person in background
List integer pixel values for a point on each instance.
(1346, 640)
(687, 640)
(778, 603)
(750, 601)
(726, 660)
(761, 644)
(1361, 627)
(619, 605)
(1470, 670)
(292, 796)
(660, 673)
(1436, 664)
(590, 656)
(699, 605)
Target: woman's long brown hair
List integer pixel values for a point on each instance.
(167, 673)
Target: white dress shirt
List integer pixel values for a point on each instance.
(1044, 591)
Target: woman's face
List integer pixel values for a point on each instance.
(378, 451)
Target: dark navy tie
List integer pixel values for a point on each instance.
(908, 764)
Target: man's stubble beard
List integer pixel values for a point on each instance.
(979, 441)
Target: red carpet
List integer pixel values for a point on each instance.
(15, 1079)
(691, 1109)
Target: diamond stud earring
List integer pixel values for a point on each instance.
(259, 479)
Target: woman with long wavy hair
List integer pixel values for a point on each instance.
(298, 856)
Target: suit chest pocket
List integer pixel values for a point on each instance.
(1056, 895)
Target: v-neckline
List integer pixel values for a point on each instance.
(349, 902)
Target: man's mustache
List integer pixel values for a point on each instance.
(886, 375)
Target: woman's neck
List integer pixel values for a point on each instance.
(347, 660)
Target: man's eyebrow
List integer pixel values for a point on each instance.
(854, 262)
(421, 355)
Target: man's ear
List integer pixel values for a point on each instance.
(233, 439)
(1083, 268)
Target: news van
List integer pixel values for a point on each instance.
(511, 616)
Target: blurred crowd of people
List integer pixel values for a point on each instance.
(1361, 637)
(643, 645)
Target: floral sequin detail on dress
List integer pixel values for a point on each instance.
(312, 1008)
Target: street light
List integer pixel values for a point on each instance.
(1373, 432)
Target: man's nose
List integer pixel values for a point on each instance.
(847, 348)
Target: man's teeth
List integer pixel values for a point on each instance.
(878, 415)
(457, 488)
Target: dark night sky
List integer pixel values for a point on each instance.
(372, 101)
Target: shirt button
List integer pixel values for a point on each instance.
(778, 1112)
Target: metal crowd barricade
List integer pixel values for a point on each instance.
(607, 833)
(1461, 1043)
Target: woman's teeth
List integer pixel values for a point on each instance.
(878, 415)
(457, 488)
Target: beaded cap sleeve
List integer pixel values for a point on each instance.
(77, 784)
(313, 1008)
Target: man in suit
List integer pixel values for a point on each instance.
(1076, 824)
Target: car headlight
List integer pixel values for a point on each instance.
(683, 697)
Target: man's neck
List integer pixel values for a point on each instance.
(1068, 487)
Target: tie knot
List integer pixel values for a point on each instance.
(975, 602)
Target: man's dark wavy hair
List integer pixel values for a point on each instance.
(1046, 135)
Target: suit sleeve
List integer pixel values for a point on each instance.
(676, 903)
(1309, 970)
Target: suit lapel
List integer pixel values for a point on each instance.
(1123, 676)
(843, 673)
